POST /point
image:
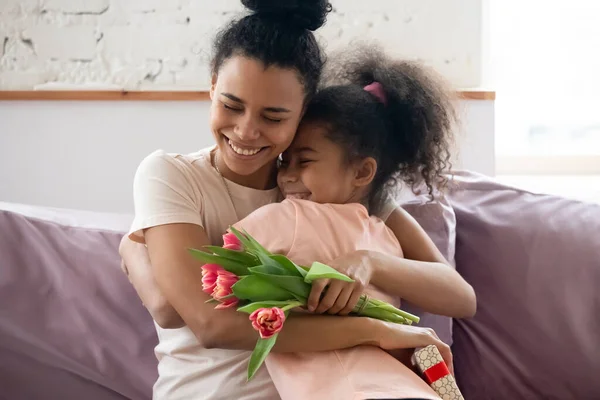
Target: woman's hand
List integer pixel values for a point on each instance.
(341, 297)
(397, 339)
(135, 263)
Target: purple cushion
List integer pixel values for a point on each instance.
(438, 220)
(534, 262)
(71, 325)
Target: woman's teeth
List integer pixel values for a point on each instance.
(244, 152)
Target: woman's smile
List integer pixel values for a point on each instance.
(244, 150)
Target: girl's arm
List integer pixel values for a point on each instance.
(424, 277)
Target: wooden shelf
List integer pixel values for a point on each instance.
(103, 95)
(115, 95)
(477, 94)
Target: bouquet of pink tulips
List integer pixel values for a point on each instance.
(267, 286)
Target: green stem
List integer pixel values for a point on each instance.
(382, 310)
(291, 305)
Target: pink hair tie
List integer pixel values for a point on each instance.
(376, 89)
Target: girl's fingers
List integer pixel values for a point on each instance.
(333, 291)
(315, 294)
(351, 303)
(342, 299)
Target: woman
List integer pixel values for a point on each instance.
(266, 68)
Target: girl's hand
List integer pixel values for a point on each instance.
(341, 297)
(397, 339)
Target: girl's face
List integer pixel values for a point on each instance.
(315, 168)
(255, 112)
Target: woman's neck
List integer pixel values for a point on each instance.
(263, 179)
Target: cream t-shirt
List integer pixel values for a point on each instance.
(170, 188)
(175, 188)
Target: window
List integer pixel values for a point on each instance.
(545, 58)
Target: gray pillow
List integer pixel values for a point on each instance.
(438, 220)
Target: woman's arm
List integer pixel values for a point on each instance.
(136, 260)
(179, 278)
(424, 277)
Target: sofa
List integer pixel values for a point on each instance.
(72, 327)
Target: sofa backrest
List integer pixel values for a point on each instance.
(71, 325)
(534, 262)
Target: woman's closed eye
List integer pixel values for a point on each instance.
(239, 110)
(231, 108)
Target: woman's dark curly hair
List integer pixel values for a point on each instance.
(277, 32)
(409, 137)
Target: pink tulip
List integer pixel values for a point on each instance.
(227, 303)
(209, 277)
(231, 242)
(225, 280)
(267, 321)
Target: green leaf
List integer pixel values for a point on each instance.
(229, 265)
(292, 284)
(320, 271)
(239, 256)
(269, 269)
(268, 261)
(250, 308)
(255, 288)
(257, 245)
(259, 354)
(289, 265)
(303, 300)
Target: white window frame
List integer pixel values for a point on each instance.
(548, 165)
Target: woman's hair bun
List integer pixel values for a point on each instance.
(304, 14)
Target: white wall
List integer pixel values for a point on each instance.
(154, 44)
(83, 155)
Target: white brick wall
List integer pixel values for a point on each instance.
(165, 44)
(77, 7)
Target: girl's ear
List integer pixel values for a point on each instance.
(365, 172)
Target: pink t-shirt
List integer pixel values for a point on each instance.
(307, 232)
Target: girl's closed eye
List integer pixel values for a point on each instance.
(271, 119)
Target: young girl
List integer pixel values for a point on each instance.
(392, 121)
